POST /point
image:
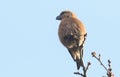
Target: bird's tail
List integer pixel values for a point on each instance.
(79, 64)
(79, 61)
(77, 55)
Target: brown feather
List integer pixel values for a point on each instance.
(72, 34)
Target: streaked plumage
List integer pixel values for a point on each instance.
(72, 34)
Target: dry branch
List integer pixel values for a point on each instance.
(109, 70)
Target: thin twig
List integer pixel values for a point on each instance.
(79, 73)
(84, 70)
(109, 70)
(101, 63)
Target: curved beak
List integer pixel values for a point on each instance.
(58, 18)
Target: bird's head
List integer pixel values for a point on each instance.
(65, 14)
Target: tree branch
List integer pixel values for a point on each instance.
(109, 70)
(84, 74)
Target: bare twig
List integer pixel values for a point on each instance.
(109, 70)
(88, 65)
(99, 59)
(84, 70)
(79, 73)
(110, 74)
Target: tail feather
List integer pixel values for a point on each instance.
(79, 64)
(77, 55)
(77, 51)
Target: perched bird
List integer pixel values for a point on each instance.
(72, 34)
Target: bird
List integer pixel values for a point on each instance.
(72, 34)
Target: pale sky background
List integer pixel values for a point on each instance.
(29, 44)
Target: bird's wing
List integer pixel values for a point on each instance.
(70, 35)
